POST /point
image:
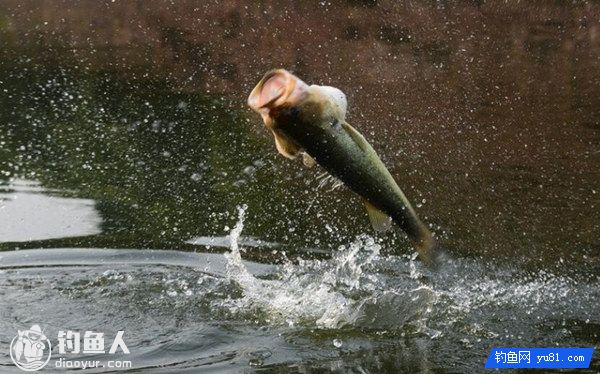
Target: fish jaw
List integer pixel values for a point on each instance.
(277, 89)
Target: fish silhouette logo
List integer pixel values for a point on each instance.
(30, 350)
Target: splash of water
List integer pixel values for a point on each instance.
(358, 288)
(236, 270)
(330, 294)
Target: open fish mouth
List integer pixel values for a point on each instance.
(278, 87)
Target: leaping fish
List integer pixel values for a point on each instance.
(310, 121)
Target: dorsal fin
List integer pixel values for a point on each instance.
(379, 220)
(285, 146)
(356, 136)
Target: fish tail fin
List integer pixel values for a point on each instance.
(431, 252)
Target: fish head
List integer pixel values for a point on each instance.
(281, 97)
(276, 91)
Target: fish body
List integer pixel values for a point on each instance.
(311, 120)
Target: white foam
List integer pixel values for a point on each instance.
(328, 294)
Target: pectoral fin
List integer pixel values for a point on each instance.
(308, 161)
(356, 136)
(379, 220)
(285, 146)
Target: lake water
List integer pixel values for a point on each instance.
(138, 193)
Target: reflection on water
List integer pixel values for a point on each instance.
(164, 167)
(210, 241)
(28, 213)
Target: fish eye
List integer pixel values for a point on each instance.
(292, 112)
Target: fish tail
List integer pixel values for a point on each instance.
(430, 251)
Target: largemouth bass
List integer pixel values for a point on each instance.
(310, 121)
